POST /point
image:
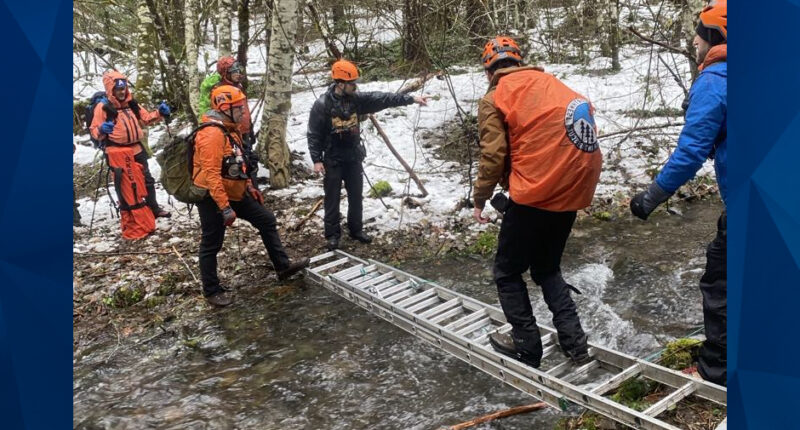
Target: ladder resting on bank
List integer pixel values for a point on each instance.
(461, 326)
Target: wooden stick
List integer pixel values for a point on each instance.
(308, 215)
(500, 414)
(681, 51)
(649, 127)
(397, 155)
(184, 263)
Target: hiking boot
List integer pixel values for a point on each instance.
(504, 344)
(333, 243)
(293, 268)
(579, 354)
(361, 237)
(220, 299)
(161, 213)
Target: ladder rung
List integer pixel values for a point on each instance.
(467, 319)
(440, 308)
(483, 322)
(386, 284)
(351, 277)
(373, 281)
(617, 379)
(484, 338)
(548, 350)
(416, 298)
(402, 294)
(347, 270)
(557, 369)
(444, 315)
(327, 266)
(673, 398)
(393, 289)
(594, 364)
(424, 304)
(320, 257)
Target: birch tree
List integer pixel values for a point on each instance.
(190, 15)
(145, 60)
(278, 103)
(224, 14)
(689, 16)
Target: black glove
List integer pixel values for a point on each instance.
(228, 216)
(644, 203)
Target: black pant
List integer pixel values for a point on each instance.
(713, 360)
(213, 228)
(350, 172)
(149, 182)
(534, 239)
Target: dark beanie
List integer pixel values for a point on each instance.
(710, 35)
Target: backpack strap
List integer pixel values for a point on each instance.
(190, 142)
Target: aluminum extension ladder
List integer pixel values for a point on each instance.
(461, 326)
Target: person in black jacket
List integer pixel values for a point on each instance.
(334, 143)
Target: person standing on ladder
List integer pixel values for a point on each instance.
(334, 143)
(538, 140)
(704, 136)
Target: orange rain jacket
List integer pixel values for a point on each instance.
(525, 144)
(210, 147)
(127, 128)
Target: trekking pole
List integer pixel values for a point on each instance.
(96, 192)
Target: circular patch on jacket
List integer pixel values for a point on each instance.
(580, 125)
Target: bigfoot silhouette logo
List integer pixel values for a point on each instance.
(580, 125)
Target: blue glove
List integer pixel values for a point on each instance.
(163, 109)
(107, 127)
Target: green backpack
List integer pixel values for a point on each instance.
(204, 103)
(177, 165)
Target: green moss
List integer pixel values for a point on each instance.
(124, 297)
(632, 393)
(680, 353)
(154, 301)
(602, 216)
(191, 342)
(485, 244)
(380, 189)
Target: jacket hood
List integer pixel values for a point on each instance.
(717, 54)
(499, 73)
(108, 82)
(215, 116)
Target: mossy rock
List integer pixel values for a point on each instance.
(680, 353)
(380, 189)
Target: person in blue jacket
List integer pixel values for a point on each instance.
(704, 136)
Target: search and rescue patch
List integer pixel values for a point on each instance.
(580, 125)
(345, 125)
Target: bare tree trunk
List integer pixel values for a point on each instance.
(145, 61)
(224, 21)
(612, 31)
(244, 35)
(279, 92)
(413, 50)
(688, 16)
(190, 40)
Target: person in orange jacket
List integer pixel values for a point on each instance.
(220, 166)
(538, 139)
(231, 73)
(118, 120)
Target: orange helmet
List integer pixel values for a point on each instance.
(499, 48)
(715, 16)
(226, 96)
(343, 70)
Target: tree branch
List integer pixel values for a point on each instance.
(681, 51)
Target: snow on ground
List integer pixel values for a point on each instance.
(626, 158)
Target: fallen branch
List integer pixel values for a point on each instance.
(648, 127)
(676, 50)
(114, 254)
(397, 155)
(184, 263)
(500, 414)
(308, 215)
